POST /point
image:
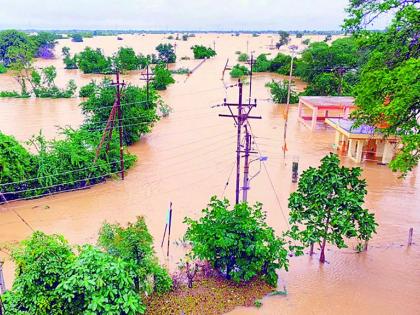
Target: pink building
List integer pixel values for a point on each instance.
(314, 109)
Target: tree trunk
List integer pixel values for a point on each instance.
(324, 241)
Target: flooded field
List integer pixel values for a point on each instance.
(189, 156)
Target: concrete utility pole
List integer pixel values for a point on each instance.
(116, 111)
(241, 120)
(2, 282)
(148, 76)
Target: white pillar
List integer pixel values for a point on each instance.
(337, 139)
(314, 117)
(388, 153)
(359, 151)
(350, 148)
(300, 109)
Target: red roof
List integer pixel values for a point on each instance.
(329, 101)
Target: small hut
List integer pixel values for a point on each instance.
(314, 109)
(363, 142)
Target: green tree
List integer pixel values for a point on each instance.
(262, 64)
(93, 61)
(97, 283)
(77, 38)
(388, 90)
(134, 245)
(202, 52)
(166, 53)
(126, 59)
(328, 206)
(239, 71)
(163, 77)
(281, 64)
(10, 39)
(41, 263)
(237, 242)
(279, 91)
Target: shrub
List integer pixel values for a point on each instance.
(163, 77)
(262, 64)
(238, 71)
(16, 164)
(281, 64)
(185, 37)
(279, 91)
(44, 84)
(97, 283)
(70, 62)
(134, 245)
(243, 57)
(237, 242)
(181, 71)
(41, 262)
(202, 52)
(93, 61)
(306, 41)
(88, 89)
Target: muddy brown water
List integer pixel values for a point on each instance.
(188, 158)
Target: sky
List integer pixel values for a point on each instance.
(174, 14)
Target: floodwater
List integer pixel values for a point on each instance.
(189, 156)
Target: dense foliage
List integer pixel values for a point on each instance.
(239, 71)
(93, 61)
(202, 52)
(41, 263)
(12, 40)
(77, 38)
(330, 69)
(126, 59)
(134, 245)
(328, 206)
(388, 94)
(237, 242)
(52, 279)
(279, 91)
(279, 64)
(163, 77)
(284, 39)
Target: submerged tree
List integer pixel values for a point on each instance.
(284, 38)
(166, 53)
(328, 206)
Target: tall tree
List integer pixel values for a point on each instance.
(328, 206)
(388, 95)
(166, 53)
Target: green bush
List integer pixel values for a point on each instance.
(88, 89)
(239, 71)
(41, 263)
(94, 61)
(16, 164)
(44, 84)
(279, 91)
(202, 52)
(281, 64)
(13, 94)
(324, 84)
(163, 77)
(77, 38)
(243, 57)
(134, 245)
(237, 242)
(262, 64)
(3, 69)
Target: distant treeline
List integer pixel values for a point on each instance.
(116, 32)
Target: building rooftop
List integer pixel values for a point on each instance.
(348, 125)
(328, 101)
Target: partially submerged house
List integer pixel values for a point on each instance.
(363, 142)
(314, 109)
